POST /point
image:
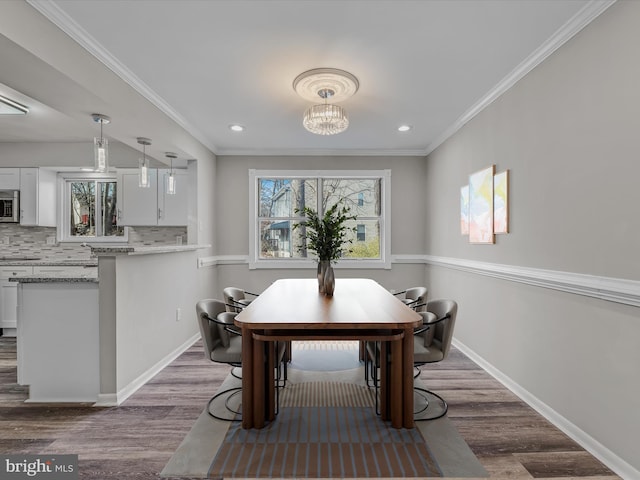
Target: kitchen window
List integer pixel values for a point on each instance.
(277, 198)
(89, 209)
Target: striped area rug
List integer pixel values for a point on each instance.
(334, 434)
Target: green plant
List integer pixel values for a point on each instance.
(326, 235)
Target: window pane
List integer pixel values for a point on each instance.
(360, 195)
(365, 240)
(109, 214)
(83, 209)
(279, 240)
(280, 197)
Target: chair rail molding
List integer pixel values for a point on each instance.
(617, 290)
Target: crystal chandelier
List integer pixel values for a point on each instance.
(326, 83)
(325, 119)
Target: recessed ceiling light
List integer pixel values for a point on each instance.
(404, 128)
(236, 128)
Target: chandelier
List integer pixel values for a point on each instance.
(326, 83)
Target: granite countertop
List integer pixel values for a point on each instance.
(142, 249)
(55, 278)
(52, 262)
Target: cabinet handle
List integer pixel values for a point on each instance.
(119, 214)
(159, 213)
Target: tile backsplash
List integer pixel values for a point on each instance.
(32, 241)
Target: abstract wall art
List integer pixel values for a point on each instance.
(481, 206)
(464, 210)
(500, 202)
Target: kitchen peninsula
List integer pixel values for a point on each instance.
(88, 338)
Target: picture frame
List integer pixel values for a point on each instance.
(481, 200)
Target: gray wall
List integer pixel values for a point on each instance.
(232, 219)
(567, 132)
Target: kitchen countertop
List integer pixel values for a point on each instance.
(105, 250)
(44, 262)
(55, 278)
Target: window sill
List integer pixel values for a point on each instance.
(307, 264)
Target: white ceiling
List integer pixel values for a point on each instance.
(210, 63)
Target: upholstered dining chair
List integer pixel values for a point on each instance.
(236, 298)
(432, 343)
(414, 297)
(222, 342)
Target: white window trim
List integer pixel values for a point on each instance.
(64, 220)
(385, 219)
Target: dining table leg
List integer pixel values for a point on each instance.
(247, 378)
(258, 402)
(407, 379)
(396, 387)
(384, 380)
(270, 385)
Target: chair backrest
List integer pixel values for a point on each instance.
(416, 296)
(209, 330)
(233, 296)
(443, 331)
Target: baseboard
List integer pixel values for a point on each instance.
(110, 399)
(106, 400)
(595, 448)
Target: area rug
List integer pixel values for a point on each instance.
(325, 355)
(326, 428)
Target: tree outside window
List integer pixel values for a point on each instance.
(280, 198)
(92, 209)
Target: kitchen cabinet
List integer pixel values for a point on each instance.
(172, 208)
(37, 197)
(9, 298)
(9, 178)
(151, 206)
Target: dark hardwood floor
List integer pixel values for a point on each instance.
(136, 439)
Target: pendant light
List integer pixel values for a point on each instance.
(170, 187)
(143, 173)
(100, 145)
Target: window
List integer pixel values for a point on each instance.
(279, 196)
(89, 210)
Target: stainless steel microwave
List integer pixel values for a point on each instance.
(9, 206)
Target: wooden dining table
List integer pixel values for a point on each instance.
(360, 309)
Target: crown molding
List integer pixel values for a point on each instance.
(336, 152)
(63, 21)
(586, 15)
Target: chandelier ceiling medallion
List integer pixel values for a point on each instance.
(325, 83)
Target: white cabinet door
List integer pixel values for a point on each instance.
(172, 209)
(8, 304)
(37, 197)
(137, 206)
(9, 298)
(9, 178)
